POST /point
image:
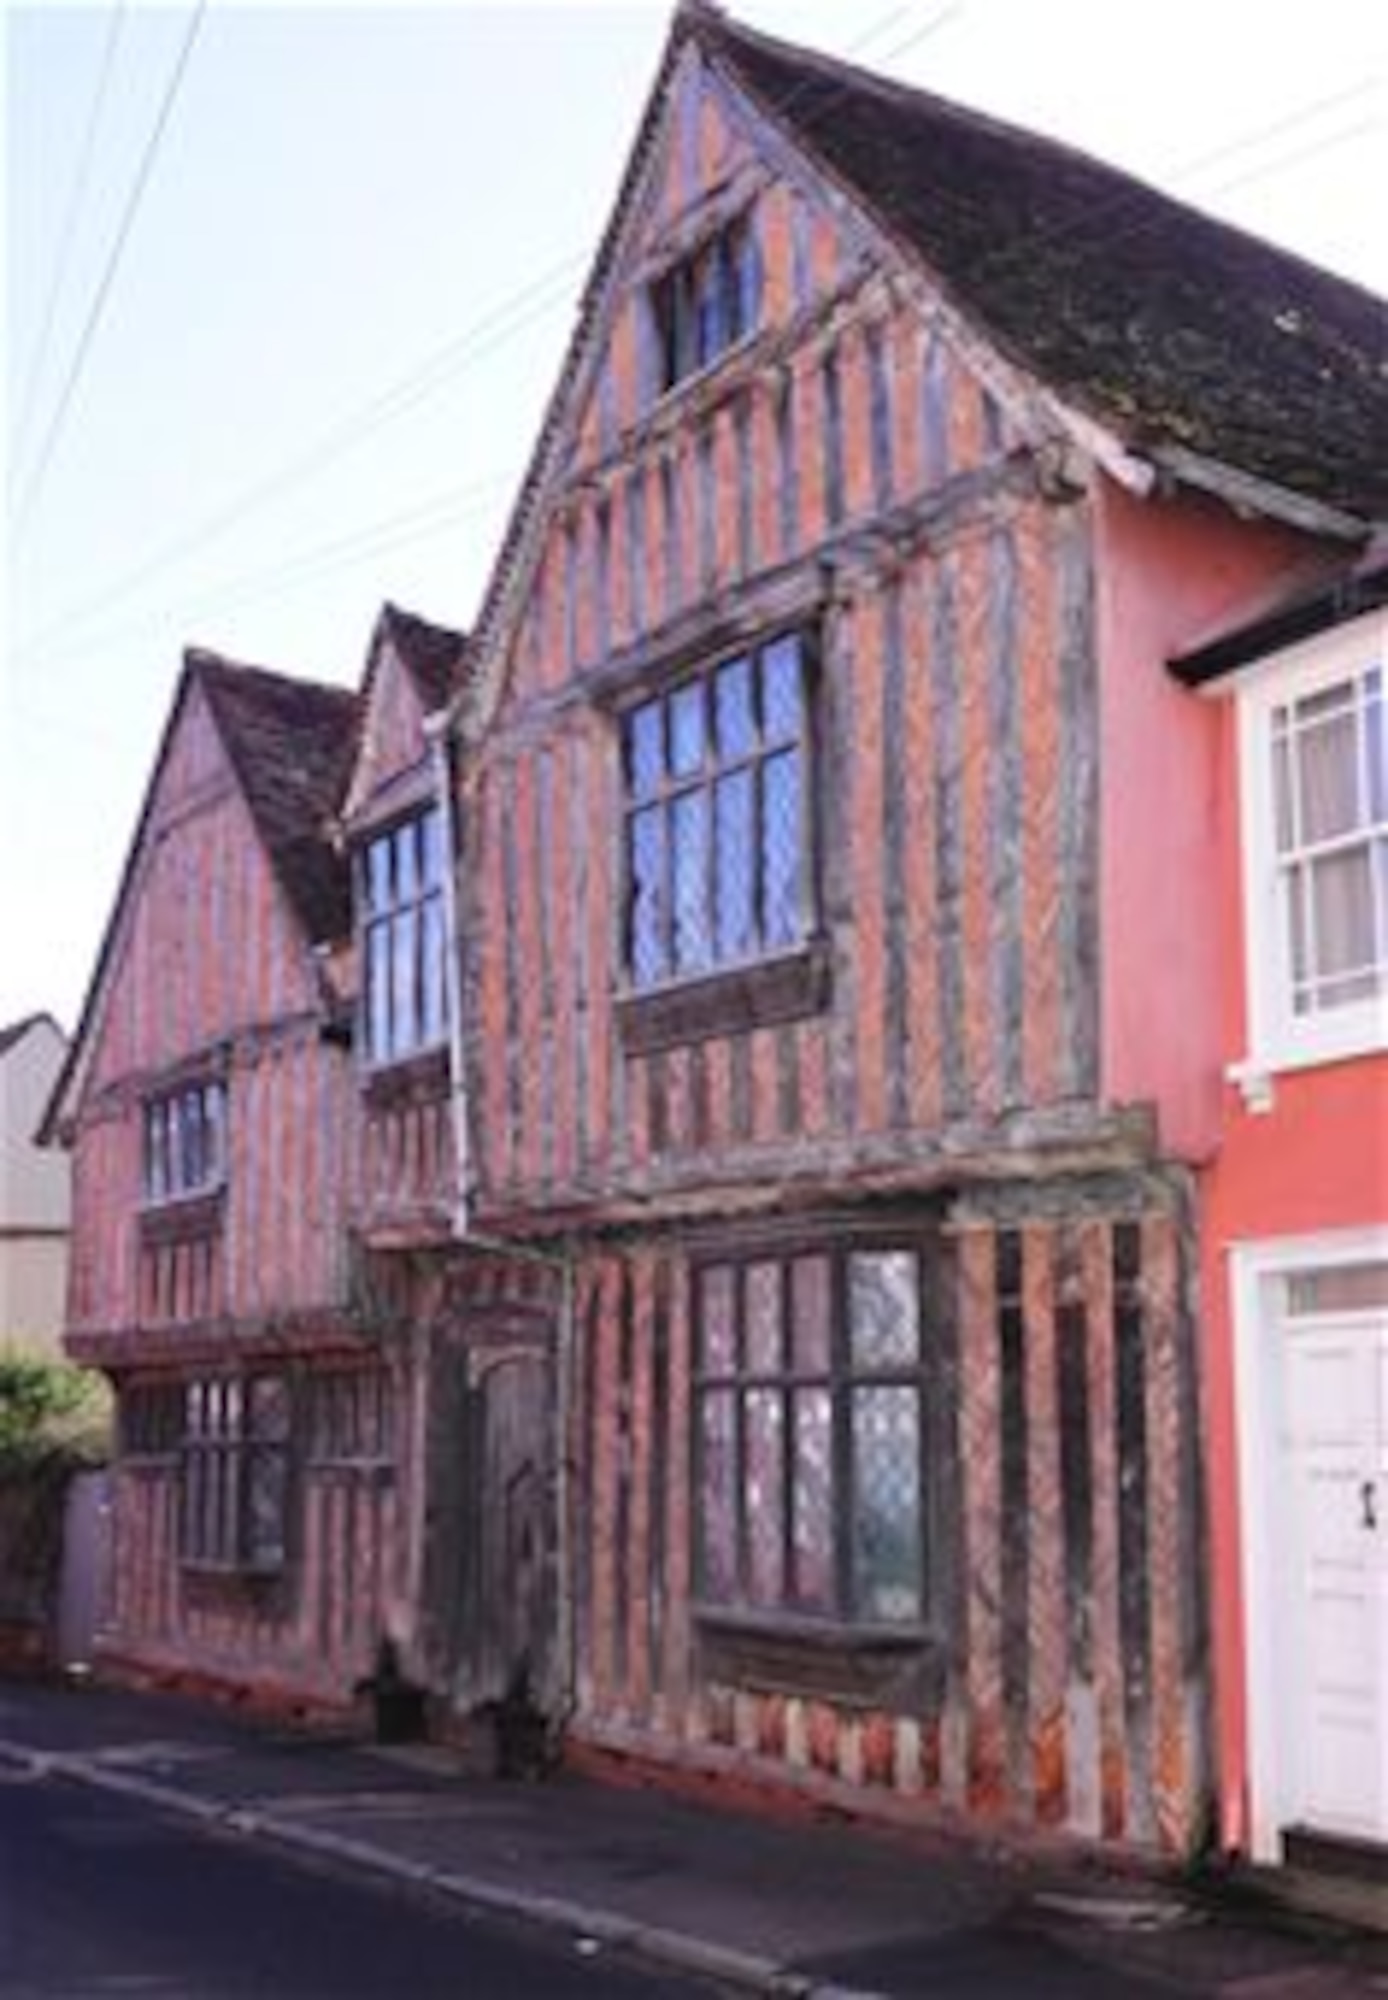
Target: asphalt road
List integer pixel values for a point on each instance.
(102, 1896)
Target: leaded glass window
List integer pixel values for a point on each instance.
(705, 303)
(184, 1135)
(235, 1472)
(810, 1434)
(400, 890)
(718, 836)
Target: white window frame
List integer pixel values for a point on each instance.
(1277, 1038)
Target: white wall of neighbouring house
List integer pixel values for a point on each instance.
(35, 1192)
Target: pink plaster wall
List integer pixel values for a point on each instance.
(1167, 571)
(1316, 1160)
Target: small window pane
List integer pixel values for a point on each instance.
(407, 862)
(780, 689)
(648, 939)
(718, 1354)
(1376, 747)
(431, 836)
(645, 749)
(693, 930)
(884, 1310)
(718, 1495)
(733, 703)
(781, 847)
(810, 1315)
(269, 1407)
(1282, 793)
(404, 989)
(736, 911)
(378, 874)
(433, 972)
(763, 1319)
(267, 1487)
(813, 1526)
(378, 989)
(1339, 1288)
(687, 729)
(886, 1513)
(1326, 755)
(1343, 899)
(764, 1417)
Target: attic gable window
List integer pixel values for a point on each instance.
(705, 304)
(401, 928)
(184, 1149)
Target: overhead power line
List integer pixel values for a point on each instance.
(67, 236)
(509, 317)
(143, 175)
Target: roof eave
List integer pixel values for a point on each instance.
(1245, 493)
(1348, 597)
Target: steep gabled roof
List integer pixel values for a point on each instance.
(431, 654)
(1171, 328)
(1192, 343)
(291, 745)
(11, 1036)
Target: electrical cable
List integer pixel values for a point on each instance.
(34, 488)
(67, 235)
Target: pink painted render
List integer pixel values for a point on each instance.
(1166, 571)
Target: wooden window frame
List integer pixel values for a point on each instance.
(184, 1144)
(768, 982)
(736, 1624)
(721, 272)
(220, 1455)
(425, 903)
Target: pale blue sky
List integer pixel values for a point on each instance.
(345, 293)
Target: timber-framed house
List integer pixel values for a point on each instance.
(840, 986)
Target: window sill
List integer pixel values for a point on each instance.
(726, 1002)
(412, 1079)
(863, 1666)
(203, 1574)
(183, 1218)
(1357, 1040)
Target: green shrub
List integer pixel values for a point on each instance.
(51, 1408)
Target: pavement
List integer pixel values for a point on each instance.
(791, 1908)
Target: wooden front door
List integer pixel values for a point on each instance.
(1334, 1599)
(508, 1642)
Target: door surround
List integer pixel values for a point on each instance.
(1258, 1273)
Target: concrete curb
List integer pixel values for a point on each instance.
(654, 1942)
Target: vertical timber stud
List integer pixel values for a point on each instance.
(944, 1734)
(896, 790)
(1077, 1512)
(949, 840)
(979, 1436)
(1016, 1527)
(1096, 1255)
(1046, 1564)
(1134, 1575)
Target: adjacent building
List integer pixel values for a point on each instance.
(846, 965)
(34, 1200)
(1295, 1215)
